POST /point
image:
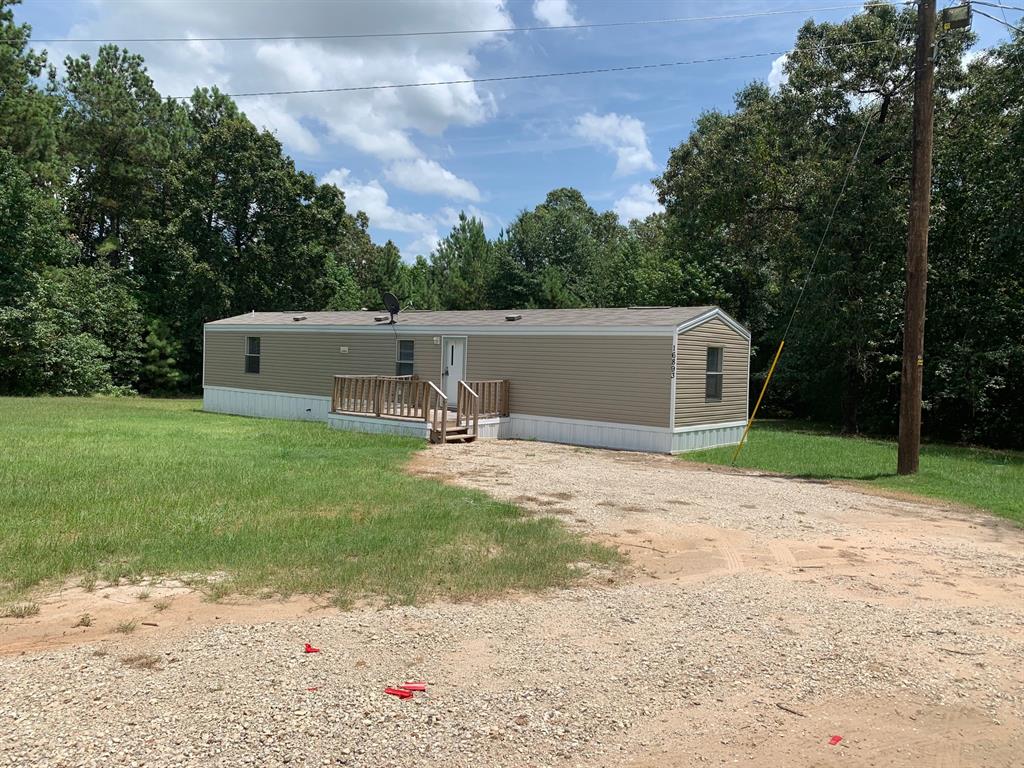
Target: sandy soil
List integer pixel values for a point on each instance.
(682, 522)
(758, 618)
(151, 608)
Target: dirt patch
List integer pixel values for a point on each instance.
(701, 521)
(682, 525)
(899, 733)
(73, 615)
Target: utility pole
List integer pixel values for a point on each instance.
(917, 242)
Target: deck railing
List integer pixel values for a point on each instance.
(392, 397)
(467, 409)
(493, 395)
(376, 395)
(409, 397)
(435, 412)
(399, 396)
(354, 394)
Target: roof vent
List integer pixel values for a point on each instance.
(381, 318)
(652, 307)
(511, 318)
(299, 318)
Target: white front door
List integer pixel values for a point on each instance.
(453, 366)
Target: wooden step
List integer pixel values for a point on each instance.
(453, 434)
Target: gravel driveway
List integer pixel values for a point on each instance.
(760, 617)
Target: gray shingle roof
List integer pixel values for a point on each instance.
(639, 317)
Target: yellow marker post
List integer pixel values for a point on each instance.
(750, 421)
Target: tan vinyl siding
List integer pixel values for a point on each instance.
(305, 363)
(691, 362)
(618, 379)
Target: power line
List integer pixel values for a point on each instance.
(1000, 21)
(447, 32)
(869, 115)
(538, 76)
(868, 119)
(999, 5)
(828, 225)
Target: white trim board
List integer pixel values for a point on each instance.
(746, 409)
(447, 330)
(714, 314)
(673, 380)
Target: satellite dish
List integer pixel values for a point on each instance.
(391, 305)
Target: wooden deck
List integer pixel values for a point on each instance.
(408, 398)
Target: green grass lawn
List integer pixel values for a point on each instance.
(114, 488)
(991, 480)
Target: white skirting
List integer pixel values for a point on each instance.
(623, 437)
(489, 428)
(595, 434)
(492, 428)
(707, 436)
(275, 405)
(352, 423)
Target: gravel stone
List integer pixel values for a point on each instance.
(897, 625)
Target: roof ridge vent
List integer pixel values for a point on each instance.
(648, 307)
(513, 317)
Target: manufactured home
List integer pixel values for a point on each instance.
(661, 379)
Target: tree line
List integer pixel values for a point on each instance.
(129, 219)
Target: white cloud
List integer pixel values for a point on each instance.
(776, 77)
(428, 177)
(448, 216)
(639, 202)
(381, 123)
(287, 128)
(554, 13)
(622, 134)
(421, 246)
(372, 198)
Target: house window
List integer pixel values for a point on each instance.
(403, 364)
(713, 375)
(252, 354)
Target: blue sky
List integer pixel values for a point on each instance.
(414, 158)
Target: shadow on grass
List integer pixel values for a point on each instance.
(824, 478)
(807, 427)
